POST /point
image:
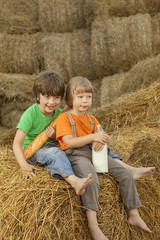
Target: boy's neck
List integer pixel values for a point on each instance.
(77, 113)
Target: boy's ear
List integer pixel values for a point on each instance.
(38, 98)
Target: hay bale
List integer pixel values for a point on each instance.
(11, 113)
(45, 208)
(118, 43)
(64, 16)
(17, 86)
(69, 54)
(156, 33)
(16, 94)
(21, 53)
(125, 8)
(19, 16)
(141, 108)
(140, 76)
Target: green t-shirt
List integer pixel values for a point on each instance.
(33, 122)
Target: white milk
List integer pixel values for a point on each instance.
(100, 159)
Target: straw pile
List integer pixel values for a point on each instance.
(19, 16)
(64, 16)
(16, 92)
(69, 54)
(138, 146)
(124, 8)
(21, 53)
(119, 43)
(141, 108)
(6, 137)
(45, 208)
(141, 75)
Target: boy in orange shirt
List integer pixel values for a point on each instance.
(75, 134)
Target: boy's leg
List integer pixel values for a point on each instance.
(80, 159)
(81, 163)
(128, 193)
(126, 183)
(94, 229)
(138, 172)
(59, 166)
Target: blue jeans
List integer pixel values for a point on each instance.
(56, 160)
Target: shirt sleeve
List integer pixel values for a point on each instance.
(63, 126)
(25, 123)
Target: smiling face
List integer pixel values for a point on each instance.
(81, 103)
(47, 104)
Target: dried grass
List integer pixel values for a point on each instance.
(119, 43)
(141, 75)
(141, 108)
(69, 54)
(19, 16)
(21, 53)
(138, 145)
(64, 16)
(45, 208)
(6, 137)
(125, 8)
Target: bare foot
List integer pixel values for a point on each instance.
(142, 172)
(97, 234)
(81, 184)
(135, 220)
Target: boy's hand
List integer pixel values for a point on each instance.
(27, 171)
(97, 146)
(101, 137)
(51, 132)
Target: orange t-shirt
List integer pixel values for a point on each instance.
(82, 126)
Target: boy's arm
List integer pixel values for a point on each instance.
(27, 169)
(74, 142)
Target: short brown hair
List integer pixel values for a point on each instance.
(77, 85)
(49, 83)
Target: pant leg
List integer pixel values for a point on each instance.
(81, 161)
(56, 160)
(126, 183)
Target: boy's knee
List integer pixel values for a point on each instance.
(94, 184)
(127, 176)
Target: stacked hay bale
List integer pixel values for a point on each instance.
(140, 108)
(69, 54)
(125, 8)
(60, 16)
(119, 43)
(19, 17)
(139, 76)
(45, 208)
(20, 53)
(16, 94)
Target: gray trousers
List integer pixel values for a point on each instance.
(81, 161)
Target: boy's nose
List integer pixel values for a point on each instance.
(84, 99)
(52, 100)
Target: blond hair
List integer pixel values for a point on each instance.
(75, 86)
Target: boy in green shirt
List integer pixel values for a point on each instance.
(49, 90)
